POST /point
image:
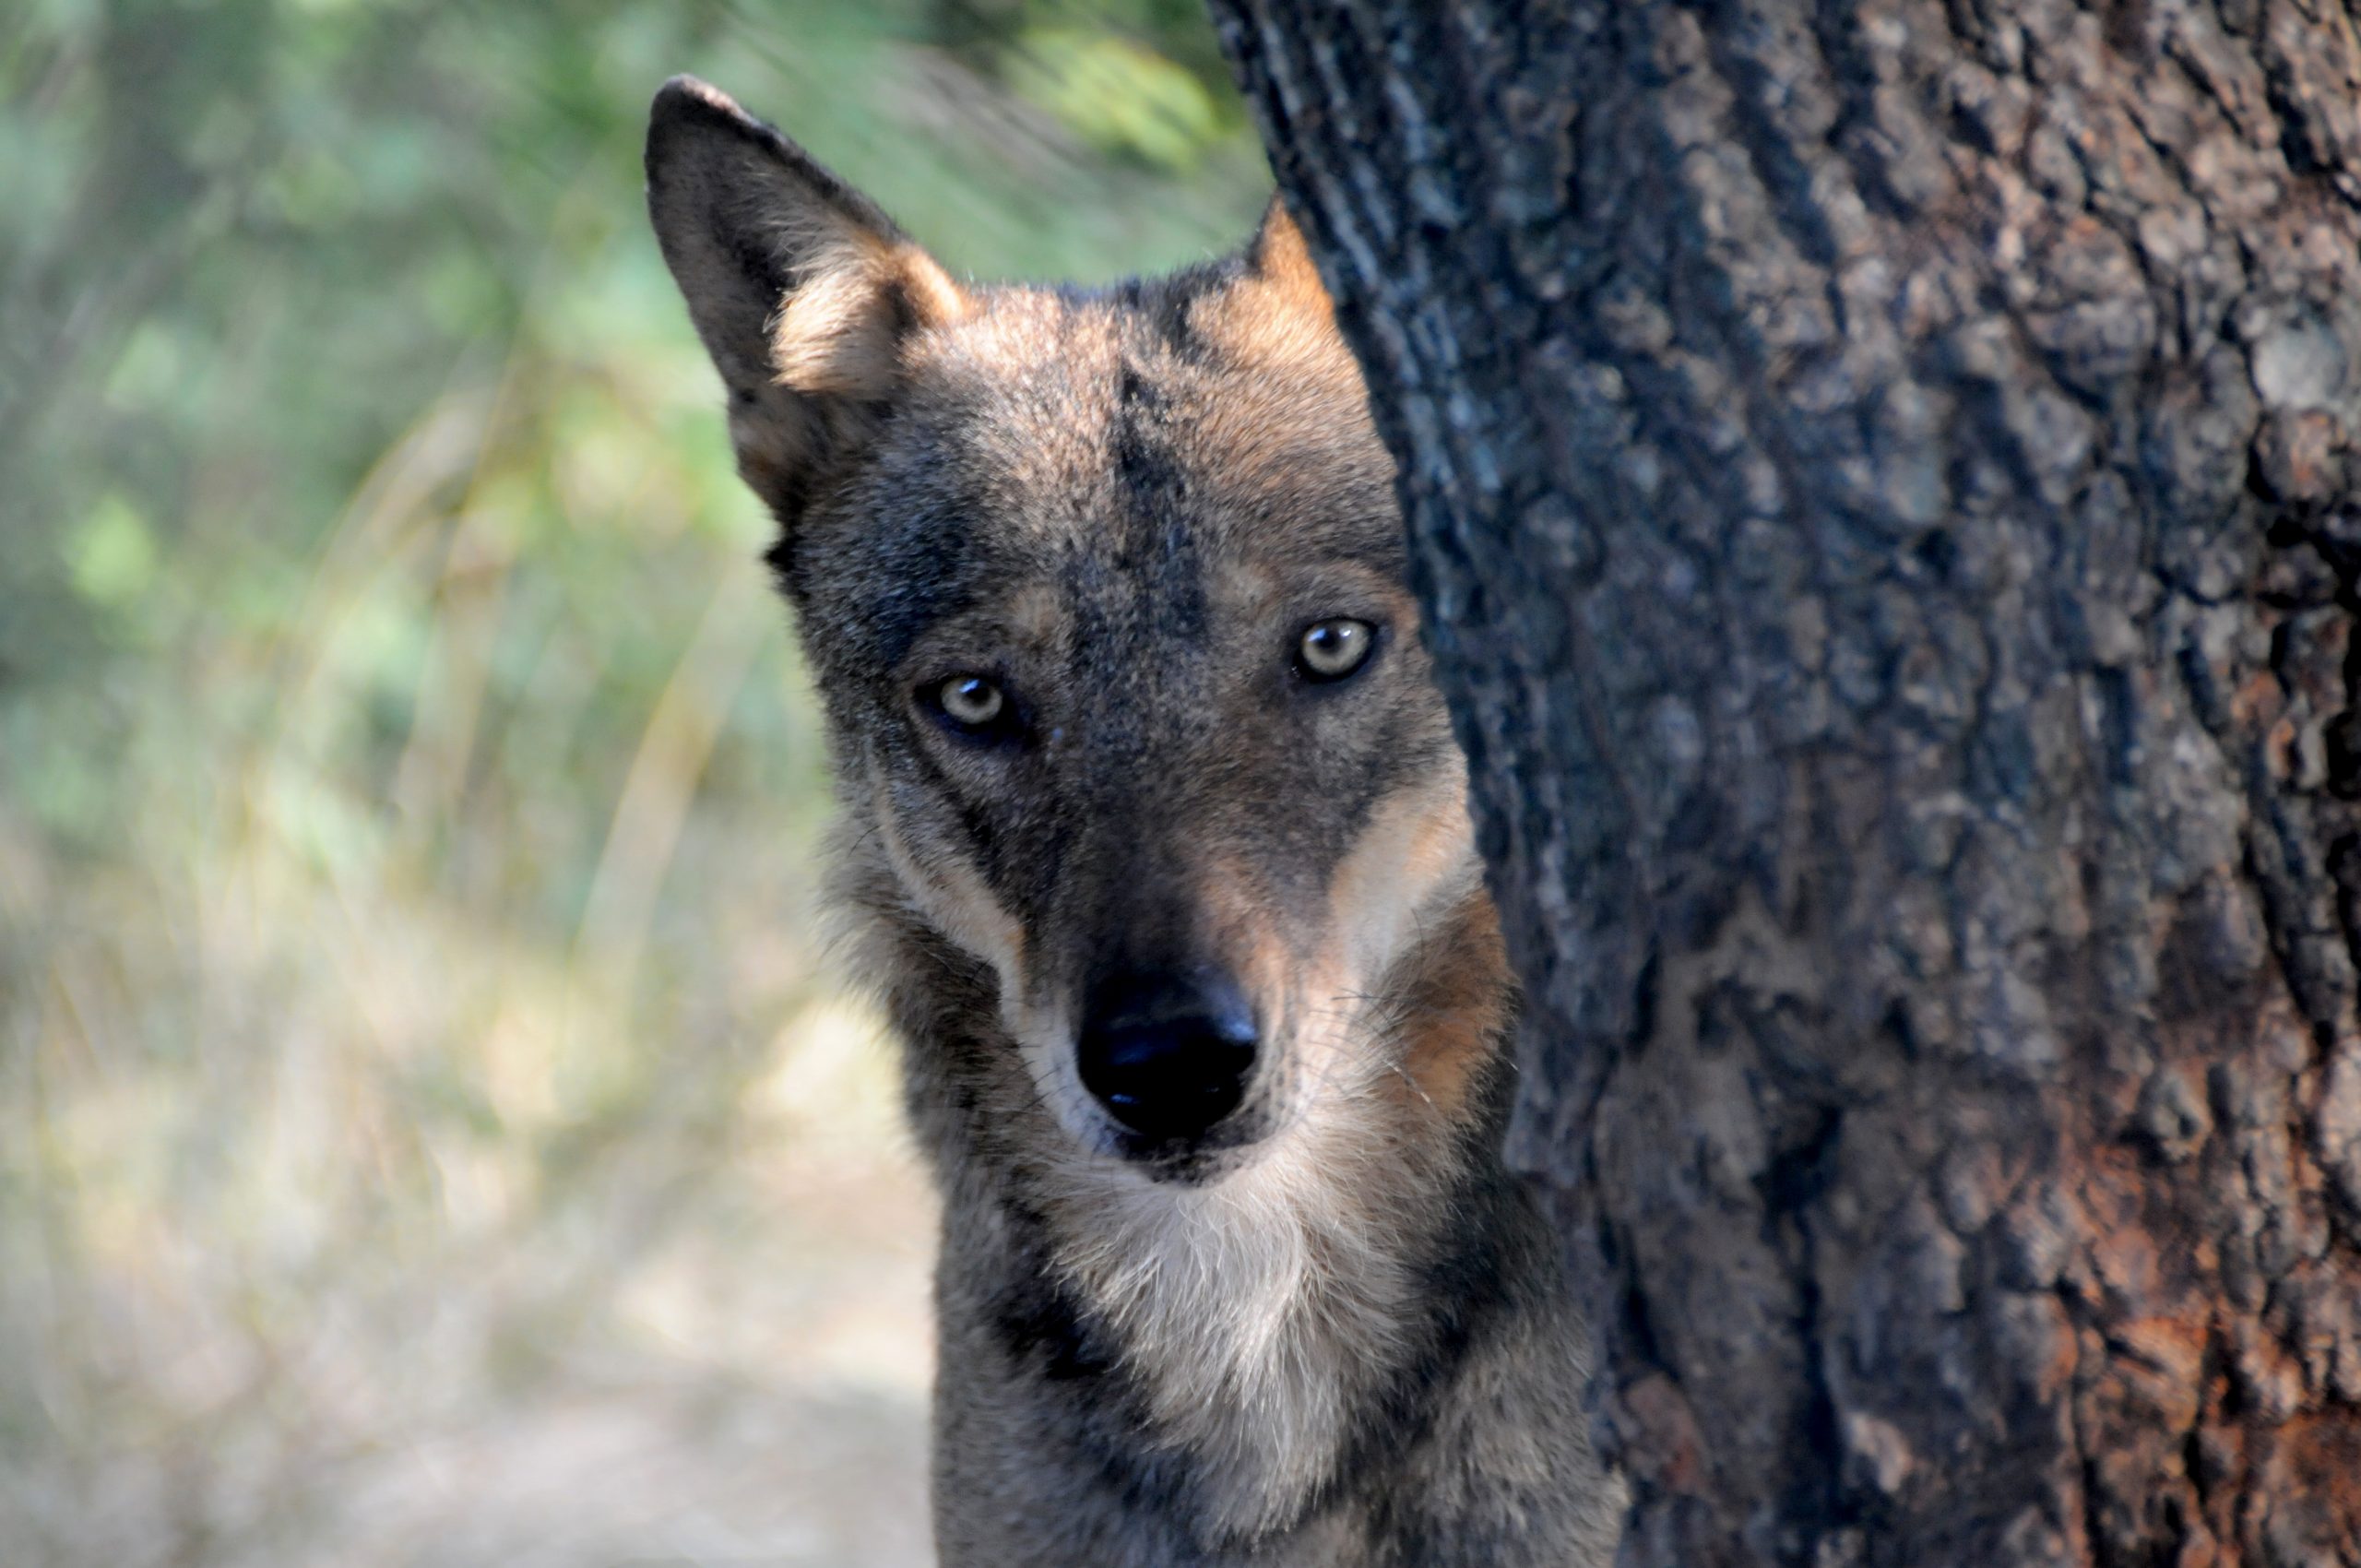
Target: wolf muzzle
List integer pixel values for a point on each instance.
(1168, 1052)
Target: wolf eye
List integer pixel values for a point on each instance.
(1332, 650)
(970, 701)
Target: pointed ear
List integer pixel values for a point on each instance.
(1281, 262)
(803, 291)
(1274, 311)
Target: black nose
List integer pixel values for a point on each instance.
(1167, 1053)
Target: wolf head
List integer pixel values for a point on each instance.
(1104, 593)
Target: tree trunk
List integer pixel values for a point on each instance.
(1881, 479)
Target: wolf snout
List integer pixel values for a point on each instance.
(1167, 1053)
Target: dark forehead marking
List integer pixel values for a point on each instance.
(1161, 550)
(1146, 467)
(1164, 309)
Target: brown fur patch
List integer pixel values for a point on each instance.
(1243, 588)
(1283, 263)
(1256, 323)
(1037, 615)
(1457, 1008)
(1418, 854)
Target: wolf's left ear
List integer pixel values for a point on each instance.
(1281, 262)
(1275, 311)
(803, 291)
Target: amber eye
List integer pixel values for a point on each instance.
(970, 701)
(1332, 650)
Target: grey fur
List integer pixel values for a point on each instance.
(1333, 1330)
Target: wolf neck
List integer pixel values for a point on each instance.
(1251, 1331)
(1264, 1318)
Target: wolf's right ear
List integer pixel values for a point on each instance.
(802, 290)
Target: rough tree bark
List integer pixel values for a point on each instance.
(1884, 479)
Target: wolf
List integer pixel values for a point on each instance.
(1155, 836)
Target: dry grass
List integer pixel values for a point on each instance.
(358, 1208)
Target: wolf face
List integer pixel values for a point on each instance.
(1154, 829)
(1104, 592)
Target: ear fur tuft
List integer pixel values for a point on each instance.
(840, 331)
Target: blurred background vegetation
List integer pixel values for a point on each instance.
(432, 1130)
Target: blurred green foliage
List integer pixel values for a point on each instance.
(408, 979)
